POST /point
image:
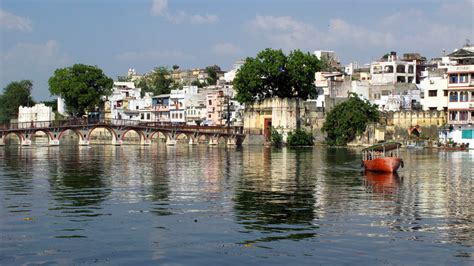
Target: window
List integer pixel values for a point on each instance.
(136, 107)
(410, 79)
(463, 78)
(388, 69)
(472, 96)
(148, 116)
(463, 96)
(432, 93)
(445, 93)
(400, 69)
(210, 102)
(401, 79)
(453, 96)
(410, 69)
(453, 78)
(142, 116)
(453, 115)
(463, 115)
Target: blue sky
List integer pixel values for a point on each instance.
(36, 37)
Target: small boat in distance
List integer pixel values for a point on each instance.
(382, 157)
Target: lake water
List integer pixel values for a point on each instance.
(204, 205)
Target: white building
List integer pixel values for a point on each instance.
(230, 75)
(434, 86)
(180, 99)
(38, 115)
(392, 71)
(122, 94)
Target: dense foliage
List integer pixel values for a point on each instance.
(274, 74)
(348, 120)
(157, 82)
(299, 137)
(15, 94)
(212, 74)
(277, 138)
(81, 87)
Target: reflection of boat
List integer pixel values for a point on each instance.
(380, 182)
(382, 157)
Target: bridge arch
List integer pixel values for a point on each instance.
(157, 134)
(87, 135)
(141, 134)
(62, 132)
(19, 135)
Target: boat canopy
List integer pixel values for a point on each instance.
(383, 146)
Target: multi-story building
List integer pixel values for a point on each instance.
(179, 99)
(161, 107)
(392, 70)
(461, 103)
(460, 93)
(434, 85)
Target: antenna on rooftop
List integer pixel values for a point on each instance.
(468, 43)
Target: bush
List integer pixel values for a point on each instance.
(277, 138)
(300, 138)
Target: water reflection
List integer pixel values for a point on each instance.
(274, 199)
(78, 186)
(382, 183)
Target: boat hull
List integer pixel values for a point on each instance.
(385, 164)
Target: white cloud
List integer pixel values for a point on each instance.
(203, 19)
(10, 21)
(409, 31)
(34, 61)
(151, 55)
(226, 49)
(160, 8)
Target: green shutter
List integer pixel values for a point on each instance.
(467, 134)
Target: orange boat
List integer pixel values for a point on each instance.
(382, 157)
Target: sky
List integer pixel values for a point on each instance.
(39, 36)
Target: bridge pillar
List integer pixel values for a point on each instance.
(170, 140)
(145, 141)
(116, 141)
(192, 141)
(84, 142)
(54, 142)
(213, 141)
(231, 141)
(25, 142)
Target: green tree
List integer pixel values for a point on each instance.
(158, 81)
(81, 86)
(212, 74)
(273, 74)
(15, 94)
(348, 120)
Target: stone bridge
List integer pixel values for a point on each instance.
(83, 128)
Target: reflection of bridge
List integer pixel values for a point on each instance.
(55, 130)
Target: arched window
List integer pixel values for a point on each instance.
(453, 115)
(453, 96)
(400, 69)
(464, 96)
(410, 69)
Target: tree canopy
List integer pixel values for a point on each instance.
(274, 74)
(157, 82)
(348, 120)
(81, 87)
(212, 74)
(15, 94)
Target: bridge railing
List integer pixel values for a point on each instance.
(120, 122)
